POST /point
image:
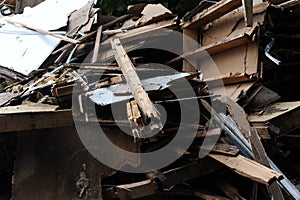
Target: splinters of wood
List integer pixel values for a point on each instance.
(149, 113)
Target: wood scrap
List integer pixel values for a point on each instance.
(248, 168)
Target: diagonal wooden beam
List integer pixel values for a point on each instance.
(150, 115)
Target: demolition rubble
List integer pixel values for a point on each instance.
(224, 78)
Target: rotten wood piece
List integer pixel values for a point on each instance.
(248, 168)
(61, 37)
(214, 12)
(149, 112)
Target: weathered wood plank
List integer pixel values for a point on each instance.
(35, 119)
(248, 168)
(149, 112)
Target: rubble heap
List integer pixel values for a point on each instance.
(216, 90)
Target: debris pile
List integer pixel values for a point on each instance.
(149, 105)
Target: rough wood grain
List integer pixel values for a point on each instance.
(248, 168)
(149, 112)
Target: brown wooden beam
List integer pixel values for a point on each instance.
(142, 99)
(212, 13)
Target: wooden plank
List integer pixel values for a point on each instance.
(142, 99)
(243, 62)
(174, 176)
(212, 13)
(132, 191)
(248, 168)
(261, 157)
(35, 120)
(248, 12)
(215, 48)
(61, 37)
(28, 107)
(232, 24)
(97, 45)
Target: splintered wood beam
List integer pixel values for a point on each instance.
(261, 157)
(212, 13)
(150, 114)
(248, 12)
(97, 45)
(248, 168)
